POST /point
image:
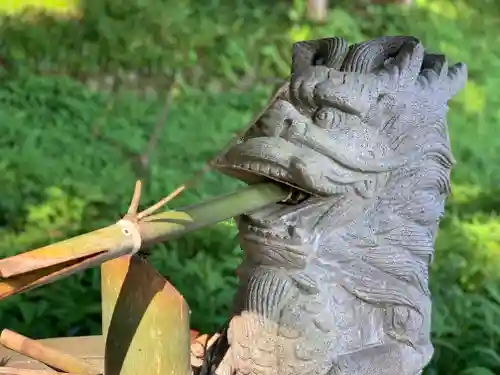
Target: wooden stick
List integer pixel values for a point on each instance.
(317, 10)
(199, 346)
(25, 371)
(49, 356)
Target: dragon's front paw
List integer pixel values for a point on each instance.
(251, 347)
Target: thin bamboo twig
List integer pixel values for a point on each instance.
(136, 197)
(49, 356)
(155, 207)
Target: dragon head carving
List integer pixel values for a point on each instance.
(338, 284)
(350, 116)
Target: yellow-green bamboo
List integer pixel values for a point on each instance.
(45, 265)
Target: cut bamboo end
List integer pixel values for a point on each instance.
(49, 356)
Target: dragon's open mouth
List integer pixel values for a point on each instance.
(309, 170)
(256, 161)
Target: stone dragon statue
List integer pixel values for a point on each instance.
(338, 283)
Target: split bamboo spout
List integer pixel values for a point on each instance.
(129, 235)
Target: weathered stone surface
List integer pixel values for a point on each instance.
(338, 284)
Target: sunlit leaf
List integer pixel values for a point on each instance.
(473, 98)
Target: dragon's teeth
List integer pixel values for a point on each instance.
(256, 166)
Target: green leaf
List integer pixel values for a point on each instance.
(477, 371)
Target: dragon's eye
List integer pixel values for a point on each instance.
(328, 118)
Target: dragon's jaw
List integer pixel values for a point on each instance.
(254, 165)
(274, 158)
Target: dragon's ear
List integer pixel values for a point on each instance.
(329, 52)
(456, 78)
(435, 75)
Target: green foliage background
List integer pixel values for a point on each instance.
(58, 178)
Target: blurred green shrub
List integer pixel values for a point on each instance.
(59, 179)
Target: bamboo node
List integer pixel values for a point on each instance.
(130, 228)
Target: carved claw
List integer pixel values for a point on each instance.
(251, 351)
(226, 366)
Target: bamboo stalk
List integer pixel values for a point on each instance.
(47, 264)
(145, 320)
(49, 356)
(25, 371)
(173, 224)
